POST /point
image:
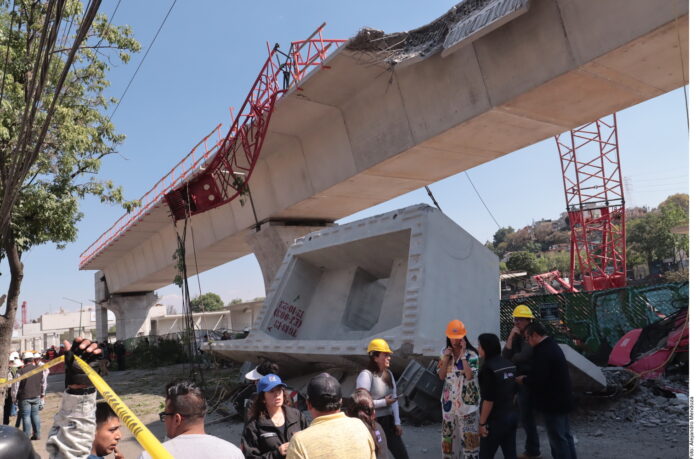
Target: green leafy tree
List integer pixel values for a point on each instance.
(235, 301)
(207, 302)
(651, 236)
(501, 234)
(54, 130)
(524, 261)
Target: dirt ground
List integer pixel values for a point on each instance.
(598, 431)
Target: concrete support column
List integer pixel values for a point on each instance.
(271, 242)
(102, 322)
(132, 311)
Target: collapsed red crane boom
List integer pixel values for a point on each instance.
(595, 202)
(218, 167)
(228, 173)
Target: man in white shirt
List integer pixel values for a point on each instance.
(184, 420)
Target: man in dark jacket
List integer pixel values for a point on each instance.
(120, 351)
(29, 397)
(519, 352)
(549, 384)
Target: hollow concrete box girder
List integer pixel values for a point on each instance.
(401, 276)
(270, 243)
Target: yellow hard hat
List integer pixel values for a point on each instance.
(455, 330)
(523, 311)
(378, 345)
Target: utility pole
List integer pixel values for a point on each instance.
(79, 333)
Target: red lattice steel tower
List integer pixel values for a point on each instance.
(227, 175)
(595, 203)
(24, 313)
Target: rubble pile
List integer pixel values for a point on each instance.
(656, 405)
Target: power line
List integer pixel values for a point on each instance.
(142, 60)
(482, 201)
(108, 24)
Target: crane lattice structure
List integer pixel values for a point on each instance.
(595, 203)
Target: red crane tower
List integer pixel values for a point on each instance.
(595, 202)
(24, 313)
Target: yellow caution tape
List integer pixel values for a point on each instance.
(40, 369)
(146, 439)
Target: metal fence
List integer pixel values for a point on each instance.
(593, 322)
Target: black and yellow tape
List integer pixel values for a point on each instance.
(146, 439)
(4, 382)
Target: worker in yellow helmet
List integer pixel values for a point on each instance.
(519, 352)
(380, 382)
(460, 398)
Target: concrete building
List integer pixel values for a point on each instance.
(52, 328)
(233, 318)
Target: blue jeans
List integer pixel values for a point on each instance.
(29, 410)
(524, 402)
(560, 438)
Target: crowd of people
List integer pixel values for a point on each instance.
(487, 390)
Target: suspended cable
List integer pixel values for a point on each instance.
(108, 24)
(193, 242)
(118, 104)
(681, 58)
(482, 201)
(430, 193)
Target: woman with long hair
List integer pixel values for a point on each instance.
(380, 383)
(458, 367)
(498, 422)
(361, 406)
(272, 421)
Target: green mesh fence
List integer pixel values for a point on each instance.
(592, 322)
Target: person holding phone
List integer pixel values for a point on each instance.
(460, 399)
(380, 382)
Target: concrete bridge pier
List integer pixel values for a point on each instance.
(132, 310)
(270, 242)
(102, 322)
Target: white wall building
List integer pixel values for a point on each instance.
(52, 328)
(236, 317)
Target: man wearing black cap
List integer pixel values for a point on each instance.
(332, 433)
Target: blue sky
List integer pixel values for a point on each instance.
(205, 60)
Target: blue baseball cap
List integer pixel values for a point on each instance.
(269, 382)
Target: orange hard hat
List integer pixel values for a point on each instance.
(455, 330)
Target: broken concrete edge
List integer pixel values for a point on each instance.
(584, 375)
(463, 23)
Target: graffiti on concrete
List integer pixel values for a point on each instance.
(287, 318)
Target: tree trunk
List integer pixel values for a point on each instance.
(7, 319)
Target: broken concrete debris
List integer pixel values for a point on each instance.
(464, 22)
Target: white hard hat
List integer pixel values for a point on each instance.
(253, 375)
(17, 363)
(14, 355)
(37, 355)
(28, 355)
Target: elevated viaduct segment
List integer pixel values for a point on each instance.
(396, 112)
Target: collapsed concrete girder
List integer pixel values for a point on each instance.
(401, 276)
